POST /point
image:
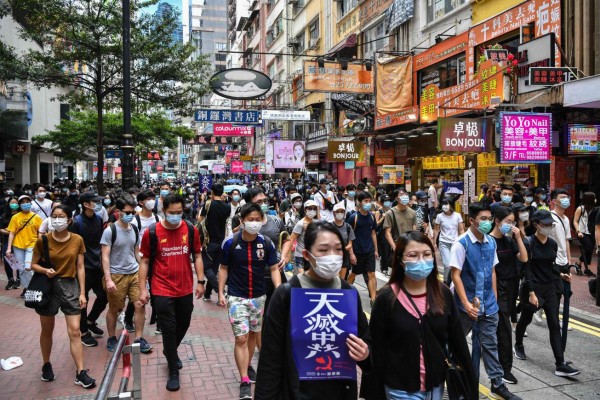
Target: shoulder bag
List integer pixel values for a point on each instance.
(39, 290)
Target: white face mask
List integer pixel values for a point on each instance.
(524, 216)
(253, 227)
(327, 266)
(311, 214)
(445, 208)
(150, 204)
(545, 230)
(59, 224)
(138, 209)
(339, 216)
(297, 205)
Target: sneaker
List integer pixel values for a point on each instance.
(509, 378)
(207, 299)
(93, 328)
(245, 391)
(10, 284)
(251, 374)
(88, 341)
(129, 326)
(519, 351)
(566, 370)
(589, 273)
(17, 284)
(145, 347)
(47, 373)
(501, 392)
(537, 317)
(111, 344)
(158, 331)
(173, 382)
(83, 379)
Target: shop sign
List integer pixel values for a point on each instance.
(392, 174)
(218, 169)
(384, 156)
(237, 167)
(486, 160)
(496, 54)
(476, 94)
(550, 76)
(525, 138)
(443, 162)
(404, 116)
(240, 83)
(286, 115)
(232, 130)
(535, 53)
(346, 25)
(371, 9)
(465, 135)
(21, 148)
(232, 154)
(545, 14)
(349, 165)
(448, 48)
(332, 79)
(394, 84)
(246, 158)
(288, 154)
(583, 139)
(345, 151)
(227, 116)
(313, 158)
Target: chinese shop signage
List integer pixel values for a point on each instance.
(332, 79)
(550, 76)
(227, 116)
(345, 151)
(384, 156)
(525, 138)
(321, 321)
(443, 162)
(392, 174)
(232, 130)
(404, 116)
(535, 53)
(465, 135)
(583, 139)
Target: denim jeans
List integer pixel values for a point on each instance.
(24, 255)
(488, 325)
(445, 248)
(395, 394)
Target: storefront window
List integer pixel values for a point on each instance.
(445, 74)
(437, 9)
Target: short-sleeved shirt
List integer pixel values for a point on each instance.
(402, 220)
(448, 226)
(46, 226)
(506, 250)
(27, 226)
(364, 226)
(43, 208)
(347, 232)
(249, 260)
(63, 255)
(145, 222)
(561, 233)
(216, 213)
(326, 215)
(539, 269)
(122, 252)
(459, 253)
(172, 271)
(432, 196)
(299, 229)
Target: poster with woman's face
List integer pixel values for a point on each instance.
(289, 154)
(269, 167)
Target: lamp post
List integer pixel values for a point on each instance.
(127, 165)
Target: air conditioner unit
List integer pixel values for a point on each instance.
(314, 42)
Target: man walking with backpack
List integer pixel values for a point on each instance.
(120, 263)
(325, 199)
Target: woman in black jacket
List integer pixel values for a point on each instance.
(407, 361)
(277, 375)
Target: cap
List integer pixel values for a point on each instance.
(310, 203)
(295, 196)
(89, 196)
(543, 217)
(518, 207)
(339, 206)
(324, 180)
(421, 194)
(385, 197)
(24, 196)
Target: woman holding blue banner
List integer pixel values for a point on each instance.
(315, 331)
(414, 320)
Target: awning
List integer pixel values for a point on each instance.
(582, 93)
(346, 48)
(241, 24)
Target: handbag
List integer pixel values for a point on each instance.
(456, 379)
(39, 290)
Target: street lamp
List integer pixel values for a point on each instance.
(127, 165)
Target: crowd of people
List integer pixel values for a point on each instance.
(141, 246)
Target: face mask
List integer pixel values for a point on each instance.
(253, 227)
(59, 224)
(418, 270)
(41, 195)
(505, 228)
(74, 193)
(544, 230)
(164, 193)
(271, 195)
(524, 216)
(10, 193)
(485, 227)
(528, 199)
(97, 207)
(565, 203)
(351, 194)
(339, 216)
(150, 204)
(445, 208)
(328, 187)
(236, 198)
(366, 206)
(404, 200)
(312, 196)
(327, 266)
(506, 199)
(127, 218)
(138, 209)
(14, 206)
(174, 219)
(311, 214)
(387, 204)
(26, 207)
(297, 205)
(264, 208)
(543, 197)
(106, 202)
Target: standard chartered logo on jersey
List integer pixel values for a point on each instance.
(174, 251)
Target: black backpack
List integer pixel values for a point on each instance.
(154, 244)
(113, 232)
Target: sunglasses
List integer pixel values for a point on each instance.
(128, 212)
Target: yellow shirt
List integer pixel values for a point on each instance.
(26, 237)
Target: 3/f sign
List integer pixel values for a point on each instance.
(510, 155)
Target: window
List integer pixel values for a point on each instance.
(371, 43)
(220, 46)
(345, 6)
(272, 71)
(444, 74)
(314, 29)
(437, 9)
(299, 45)
(221, 57)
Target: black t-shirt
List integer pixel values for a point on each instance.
(218, 212)
(507, 250)
(540, 269)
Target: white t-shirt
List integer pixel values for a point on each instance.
(146, 222)
(448, 226)
(432, 196)
(326, 215)
(43, 208)
(561, 233)
(46, 226)
(349, 205)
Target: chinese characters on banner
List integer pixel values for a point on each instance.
(526, 137)
(384, 156)
(550, 76)
(584, 139)
(443, 162)
(404, 116)
(466, 135)
(345, 151)
(227, 116)
(321, 321)
(237, 167)
(206, 182)
(331, 78)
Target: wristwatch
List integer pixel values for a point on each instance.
(201, 282)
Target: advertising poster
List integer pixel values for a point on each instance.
(218, 168)
(392, 174)
(384, 156)
(289, 154)
(331, 78)
(321, 321)
(237, 167)
(269, 154)
(583, 139)
(525, 138)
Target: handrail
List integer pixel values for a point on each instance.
(111, 370)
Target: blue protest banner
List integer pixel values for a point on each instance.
(206, 182)
(321, 321)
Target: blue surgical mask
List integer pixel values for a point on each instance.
(485, 227)
(418, 270)
(164, 193)
(366, 206)
(404, 199)
(543, 197)
(505, 228)
(26, 207)
(312, 196)
(236, 198)
(264, 208)
(351, 193)
(174, 219)
(387, 204)
(506, 199)
(328, 187)
(97, 207)
(529, 200)
(127, 218)
(565, 203)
